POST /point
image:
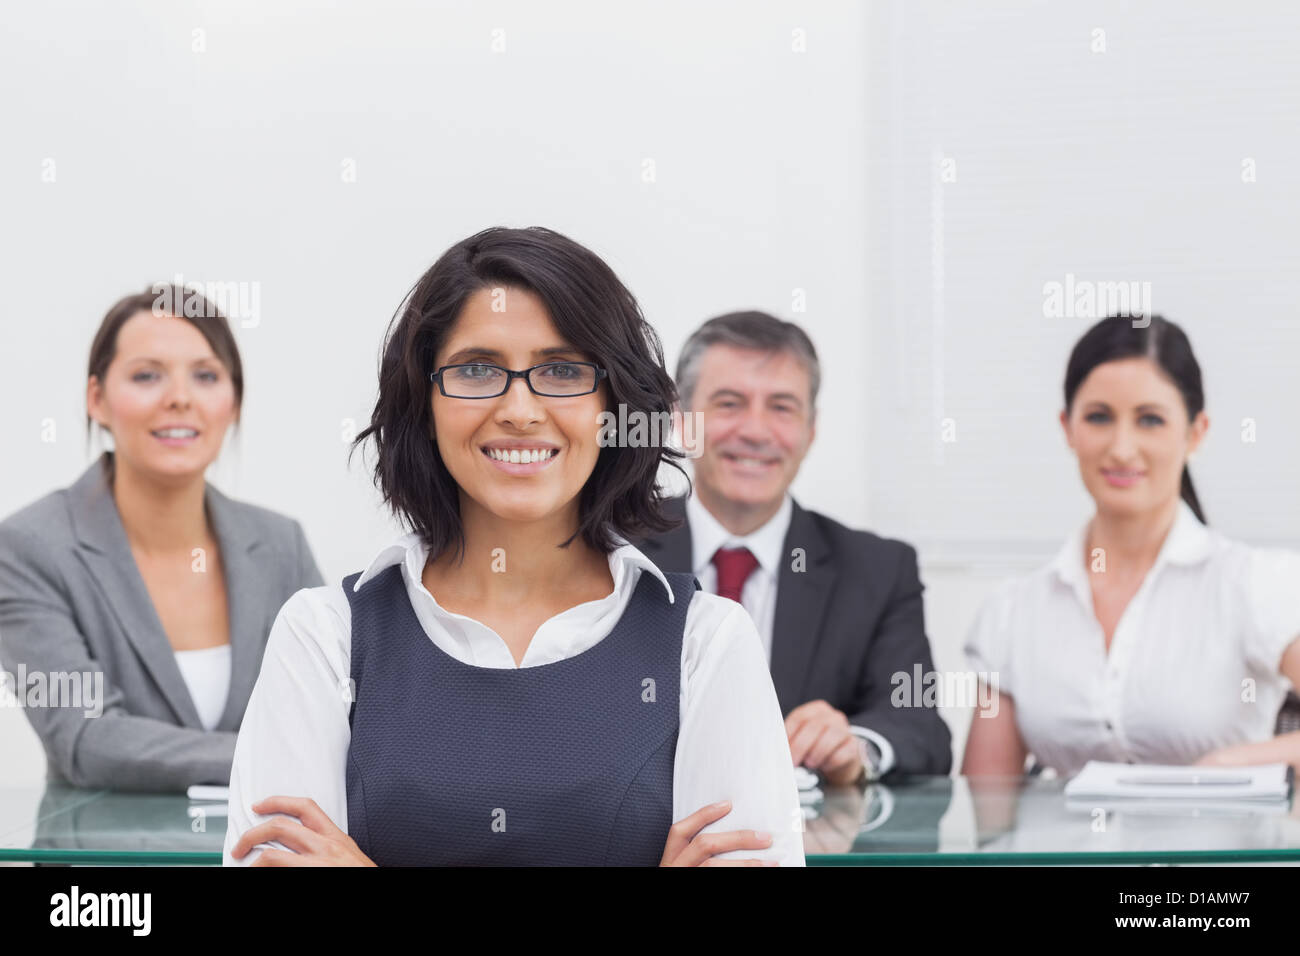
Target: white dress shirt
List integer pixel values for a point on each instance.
(207, 675)
(731, 742)
(758, 595)
(1193, 663)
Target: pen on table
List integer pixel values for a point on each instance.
(1157, 781)
(201, 791)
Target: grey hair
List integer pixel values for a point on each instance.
(746, 330)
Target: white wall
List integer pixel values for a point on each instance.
(1153, 142)
(226, 165)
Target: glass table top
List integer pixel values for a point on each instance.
(911, 821)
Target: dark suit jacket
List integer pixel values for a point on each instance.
(842, 628)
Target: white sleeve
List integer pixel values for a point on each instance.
(1273, 614)
(295, 734)
(987, 648)
(882, 745)
(731, 744)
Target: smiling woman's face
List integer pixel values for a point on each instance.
(562, 433)
(1128, 426)
(166, 397)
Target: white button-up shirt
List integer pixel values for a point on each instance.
(1193, 665)
(758, 595)
(731, 742)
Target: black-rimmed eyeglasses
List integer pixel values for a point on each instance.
(549, 380)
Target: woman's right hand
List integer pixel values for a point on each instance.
(687, 846)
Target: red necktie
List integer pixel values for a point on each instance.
(734, 566)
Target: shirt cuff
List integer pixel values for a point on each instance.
(882, 746)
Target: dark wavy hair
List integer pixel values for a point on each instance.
(1161, 341)
(593, 311)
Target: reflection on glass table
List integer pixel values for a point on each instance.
(914, 821)
(998, 820)
(59, 824)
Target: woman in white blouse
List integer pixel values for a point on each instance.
(1150, 638)
(489, 689)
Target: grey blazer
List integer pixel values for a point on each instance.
(72, 601)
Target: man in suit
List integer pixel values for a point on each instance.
(839, 611)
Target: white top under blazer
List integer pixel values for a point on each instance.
(1193, 662)
(207, 675)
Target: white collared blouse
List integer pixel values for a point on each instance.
(731, 741)
(1193, 665)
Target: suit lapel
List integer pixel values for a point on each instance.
(801, 598)
(671, 551)
(103, 547)
(248, 594)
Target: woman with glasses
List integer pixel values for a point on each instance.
(512, 682)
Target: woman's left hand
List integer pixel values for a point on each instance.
(1234, 756)
(316, 841)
